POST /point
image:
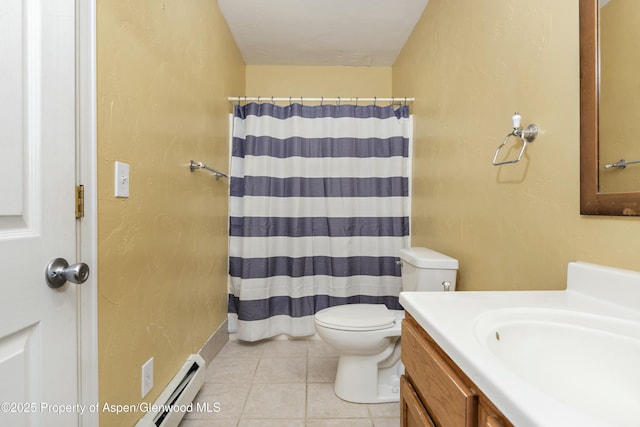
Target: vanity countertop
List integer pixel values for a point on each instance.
(594, 294)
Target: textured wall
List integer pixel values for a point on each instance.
(471, 65)
(165, 69)
(318, 81)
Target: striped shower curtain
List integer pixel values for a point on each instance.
(318, 210)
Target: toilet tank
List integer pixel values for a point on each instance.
(426, 270)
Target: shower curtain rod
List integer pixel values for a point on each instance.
(303, 99)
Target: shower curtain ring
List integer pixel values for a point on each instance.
(375, 99)
(272, 102)
(338, 102)
(322, 101)
(356, 101)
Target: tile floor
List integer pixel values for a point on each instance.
(283, 383)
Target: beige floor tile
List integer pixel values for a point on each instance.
(386, 422)
(275, 401)
(384, 410)
(235, 348)
(323, 403)
(271, 423)
(208, 423)
(319, 348)
(285, 348)
(218, 402)
(340, 422)
(281, 383)
(322, 369)
(228, 370)
(281, 370)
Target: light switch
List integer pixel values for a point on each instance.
(122, 179)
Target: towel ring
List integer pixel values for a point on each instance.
(527, 136)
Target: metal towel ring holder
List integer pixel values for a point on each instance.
(527, 136)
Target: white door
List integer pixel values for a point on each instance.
(38, 324)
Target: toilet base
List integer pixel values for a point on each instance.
(366, 379)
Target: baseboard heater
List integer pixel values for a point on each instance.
(170, 407)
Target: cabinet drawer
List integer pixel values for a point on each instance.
(446, 396)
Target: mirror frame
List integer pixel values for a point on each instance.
(592, 202)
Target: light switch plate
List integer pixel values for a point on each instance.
(121, 179)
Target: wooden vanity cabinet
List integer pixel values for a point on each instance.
(434, 391)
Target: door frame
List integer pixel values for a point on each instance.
(87, 228)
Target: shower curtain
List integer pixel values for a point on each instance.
(318, 210)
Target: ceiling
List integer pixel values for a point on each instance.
(321, 32)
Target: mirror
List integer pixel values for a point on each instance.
(607, 113)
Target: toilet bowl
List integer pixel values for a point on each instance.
(367, 336)
(368, 339)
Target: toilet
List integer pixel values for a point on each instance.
(367, 336)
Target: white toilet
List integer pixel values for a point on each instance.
(368, 335)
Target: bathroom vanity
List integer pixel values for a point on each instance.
(434, 391)
(525, 358)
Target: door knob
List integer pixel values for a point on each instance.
(59, 271)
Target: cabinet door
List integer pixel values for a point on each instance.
(446, 394)
(412, 412)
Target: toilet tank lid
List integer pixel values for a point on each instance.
(428, 258)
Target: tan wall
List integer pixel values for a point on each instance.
(283, 81)
(470, 65)
(164, 72)
(619, 94)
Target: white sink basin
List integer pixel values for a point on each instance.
(557, 350)
(567, 358)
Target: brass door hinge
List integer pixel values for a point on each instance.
(79, 201)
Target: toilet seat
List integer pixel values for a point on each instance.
(356, 317)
